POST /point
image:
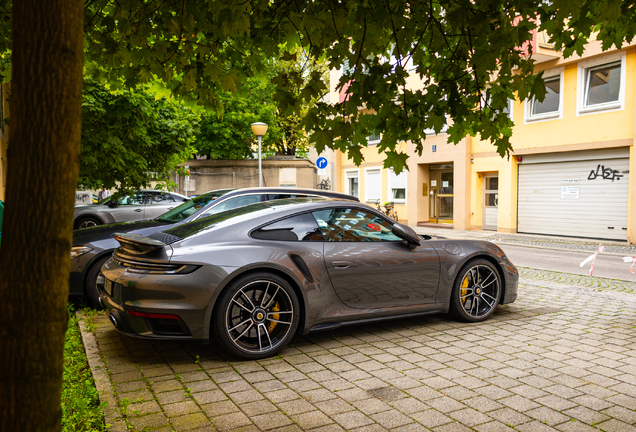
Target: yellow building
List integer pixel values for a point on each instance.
(569, 174)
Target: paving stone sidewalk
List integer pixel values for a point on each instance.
(548, 242)
(561, 358)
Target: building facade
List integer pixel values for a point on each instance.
(568, 175)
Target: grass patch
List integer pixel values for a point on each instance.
(81, 410)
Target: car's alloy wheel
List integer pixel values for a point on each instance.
(86, 223)
(258, 316)
(477, 291)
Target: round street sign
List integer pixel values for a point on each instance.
(321, 162)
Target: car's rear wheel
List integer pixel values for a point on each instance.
(476, 291)
(86, 222)
(256, 316)
(94, 284)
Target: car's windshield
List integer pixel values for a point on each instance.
(188, 208)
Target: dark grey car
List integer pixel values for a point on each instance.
(93, 246)
(254, 276)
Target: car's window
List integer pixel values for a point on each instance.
(189, 207)
(298, 228)
(233, 203)
(136, 199)
(159, 198)
(348, 224)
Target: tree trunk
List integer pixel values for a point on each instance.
(43, 154)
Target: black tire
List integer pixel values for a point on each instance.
(264, 299)
(476, 291)
(393, 215)
(92, 287)
(86, 222)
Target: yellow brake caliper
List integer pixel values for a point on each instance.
(464, 290)
(272, 325)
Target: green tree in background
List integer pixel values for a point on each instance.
(226, 133)
(128, 135)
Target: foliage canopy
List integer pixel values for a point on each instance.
(128, 134)
(459, 49)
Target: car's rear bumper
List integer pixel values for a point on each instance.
(161, 306)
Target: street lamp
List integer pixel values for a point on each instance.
(259, 130)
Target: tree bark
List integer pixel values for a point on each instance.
(43, 154)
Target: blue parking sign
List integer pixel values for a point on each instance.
(321, 162)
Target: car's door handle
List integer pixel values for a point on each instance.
(138, 210)
(170, 208)
(342, 264)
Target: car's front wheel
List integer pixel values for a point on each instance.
(256, 316)
(86, 222)
(476, 291)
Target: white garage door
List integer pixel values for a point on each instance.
(580, 194)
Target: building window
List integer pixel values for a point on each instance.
(397, 186)
(601, 84)
(374, 139)
(351, 183)
(373, 185)
(551, 105)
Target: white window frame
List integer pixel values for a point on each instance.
(485, 101)
(582, 73)
(368, 198)
(351, 173)
(555, 115)
(389, 190)
(374, 142)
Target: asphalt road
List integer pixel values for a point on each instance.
(608, 266)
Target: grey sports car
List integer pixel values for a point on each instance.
(93, 246)
(254, 276)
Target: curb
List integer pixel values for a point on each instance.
(112, 417)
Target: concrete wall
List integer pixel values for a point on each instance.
(207, 175)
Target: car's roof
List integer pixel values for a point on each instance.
(260, 213)
(292, 190)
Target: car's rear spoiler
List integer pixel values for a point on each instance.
(138, 246)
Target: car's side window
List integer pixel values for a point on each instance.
(136, 199)
(160, 198)
(233, 203)
(353, 225)
(298, 228)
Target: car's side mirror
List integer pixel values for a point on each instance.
(113, 203)
(405, 232)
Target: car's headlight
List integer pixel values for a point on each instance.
(78, 251)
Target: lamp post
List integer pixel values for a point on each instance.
(259, 129)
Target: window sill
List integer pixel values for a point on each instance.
(600, 107)
(547, 116)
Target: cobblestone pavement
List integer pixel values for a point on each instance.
(563, 357)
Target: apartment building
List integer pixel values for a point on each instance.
(569, 174)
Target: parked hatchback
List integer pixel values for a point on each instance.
(92, 247)
(145, 204)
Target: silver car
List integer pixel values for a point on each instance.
(142, 205)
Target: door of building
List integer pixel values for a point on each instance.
(491, 202)
(579, 194)
(441, 195)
